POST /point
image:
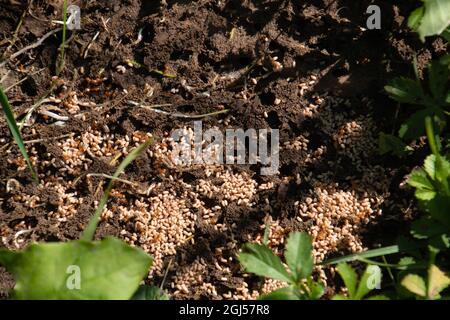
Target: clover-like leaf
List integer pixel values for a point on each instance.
(107, 269)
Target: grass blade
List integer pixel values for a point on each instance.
(366, 254)
(89, 232)
(60, 63)
(15, 132)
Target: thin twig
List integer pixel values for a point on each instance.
(22, 80)
(31, 46)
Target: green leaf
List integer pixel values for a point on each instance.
(438, 208)
(430, 166)
(427, 227)
(316, 290)
(378, 297)
(437, 281)
(146, 292)
(365, 254)
(446, 34)
(415, 17)
(405, 90)
(89, 232)
(425, 189)
(415, 284)
(339, 297)
(286, 293)
(12, 124)
(388, 143)
(436, 18)
(440, 241)
(370, 279)
(414, 127)
(438, 74)
(107, 269)
(349, 277)
(298, 255)
(260, 260)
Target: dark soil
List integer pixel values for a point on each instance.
(195, 41)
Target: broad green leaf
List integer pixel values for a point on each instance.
(436, 18)
(89, 232)
(349, 277)
(286, 293)
(298, 255)
(260, 260)
(437, 281)
(15, 132)
(438, 208)
(107, 269)
(427, 227)
(414, 127)
(146, 292)
(388, 143)
(405, 90)
(422, 194)
(438, 74)
(370, 279)
(415, 17)
(415, 284)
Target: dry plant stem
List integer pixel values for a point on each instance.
(31, 46)
(22, 80)
(16, 31)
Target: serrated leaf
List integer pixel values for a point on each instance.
(405, 90)
(349, 277)
(414, 284)
(430, 166)
(260, 260)
(286, 293)
(298, 255)
(437, 281)
(107, 269)
(425, 188)
(146, 292)
(436, 18)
